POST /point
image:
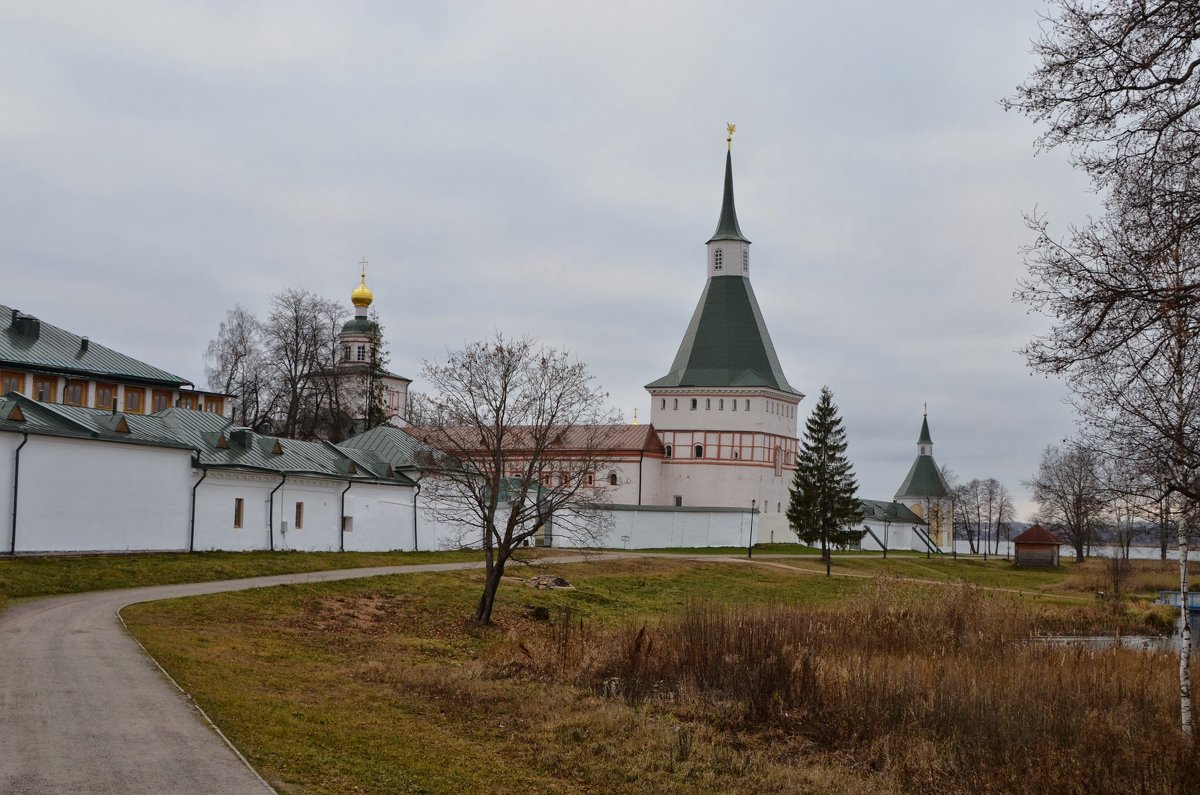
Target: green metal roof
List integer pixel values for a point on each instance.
(892, 512)
(393, 445)
(57, 350)
(359, 325)
(726, 343)
(924, 480)
(925, 438)
(200, 431)
(727, 224)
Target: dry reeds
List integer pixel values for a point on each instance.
(940, 689)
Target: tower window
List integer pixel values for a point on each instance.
(718, 257)
(670, 450)
(362, 353)
(345, 353)
(612, 479)
(737, 455)
(699, 451)
(745, 261)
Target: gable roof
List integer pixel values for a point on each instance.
(726, 343)
(1037, 535)
(393, 445)
(29, 343)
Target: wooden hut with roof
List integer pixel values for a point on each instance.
(1037, 546)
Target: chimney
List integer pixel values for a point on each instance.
(83, 345)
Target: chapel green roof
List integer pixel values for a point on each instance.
(726, 343)
(727, 224)
(891, 512)
(360, 325)
(924, 480)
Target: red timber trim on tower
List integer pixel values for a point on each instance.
(738, 448)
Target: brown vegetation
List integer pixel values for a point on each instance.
(939, 690)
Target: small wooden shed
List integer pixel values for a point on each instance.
(1037, 546)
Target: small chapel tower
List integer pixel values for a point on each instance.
(926, 493)
(725, 412)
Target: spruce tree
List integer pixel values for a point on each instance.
(823, 506)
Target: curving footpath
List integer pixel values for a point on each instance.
(83, 709)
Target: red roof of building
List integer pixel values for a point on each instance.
(1037, 535)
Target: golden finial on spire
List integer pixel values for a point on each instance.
(635, 421)
(730, 127)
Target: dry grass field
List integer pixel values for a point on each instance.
(661, 675)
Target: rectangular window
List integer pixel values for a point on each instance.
(747, 404)
(299, 516)
(678, 501)
(238, 506)
(135, 400)
(162, 400)
(187, 401)
(362, 353)
(735, 404)
(214, 404)
(12, 382)
(708, 404)
(76, 393)
(105, 395)
(43, 388)
(721, 405)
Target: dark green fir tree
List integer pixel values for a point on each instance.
(824, 507)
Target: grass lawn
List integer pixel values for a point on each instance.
(382, 686)
(58, 574)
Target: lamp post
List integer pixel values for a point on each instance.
(750, 542)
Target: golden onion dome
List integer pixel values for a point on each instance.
(362, 295)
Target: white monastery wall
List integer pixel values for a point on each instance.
(380, 518)
(79, 495)
(215, 510)
(633, 527)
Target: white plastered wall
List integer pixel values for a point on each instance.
(380, 518)
(79, 495)
(653, 529)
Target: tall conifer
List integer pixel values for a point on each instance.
(824, 507)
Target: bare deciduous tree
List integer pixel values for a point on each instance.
(235, 365)
(1069, 492)
(519, 430)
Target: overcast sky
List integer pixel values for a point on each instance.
(554, 169)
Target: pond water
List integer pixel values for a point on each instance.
(1167, 643)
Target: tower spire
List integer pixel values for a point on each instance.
(727, 225)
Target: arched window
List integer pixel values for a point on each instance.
(676, 404)
(747, 404)
(721, 404)
(663, 405)
(612, 478)
(699, 451)
(670, 450)
(735, 404)
(693, 404)
(708, 404)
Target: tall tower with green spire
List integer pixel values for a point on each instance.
(725, 412)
